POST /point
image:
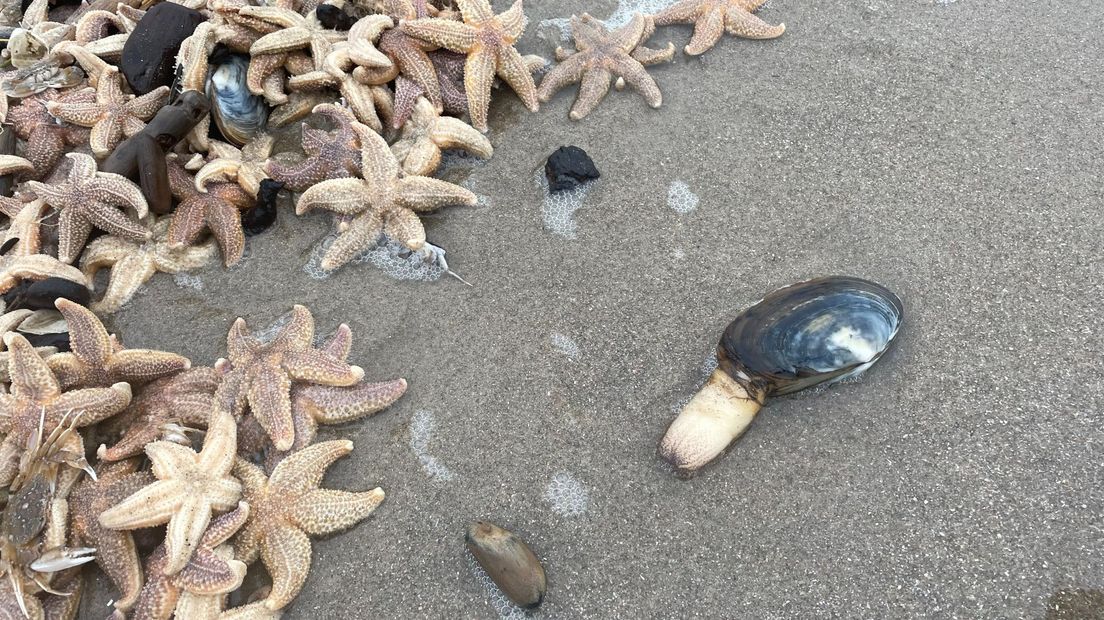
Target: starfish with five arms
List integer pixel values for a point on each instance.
(488, 40)
(190, 487)
(294, 32)
(217, 209)
(385, 200)
(427, 133)
(47, 140)
(289, 507)
(133, 264)
(330, 155)
(244, 166)
(711, 18)
(89, 198)
(601, 55)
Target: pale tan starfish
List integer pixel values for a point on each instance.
(133, 264)
(190, 487)
(409, 54)
(37, 399)
(89, 198)
(295, 32)
(712, 17)
(601, 55)
(427, 133)
(263, 374)
(217, 209)
(488, 40)
(114, 114)
(288, 507)
(368, 103)
(99, 360)
(244, 165)
(383, 201)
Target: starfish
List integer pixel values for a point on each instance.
(449, 67)
(363, 100)
(408, 53)
(295, 32)
(488, 40)
(256, 610)
(217, 209)
(263, 374)
(288, 507)
(133, 264)
(329, 155)
(419, 146)
(88, 198)
(116, 553)
(712, 17)
(207, 573)
(114, 114)
(15, 269)
(99, 360)
(244, 166)
(601, 55)
(383, 201)
(25, 225)
(189, 488)
(12, 164)
(47, 140)
(10, 322)
(104, 33)
(167, 406)
(37, 398)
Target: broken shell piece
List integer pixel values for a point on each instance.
(509, 563)
(815, 332)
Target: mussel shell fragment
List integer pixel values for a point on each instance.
(238, 113)
(509, 563)
(820, 331)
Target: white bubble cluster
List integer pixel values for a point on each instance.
(627, 8)
(555, 31)
(558, 210)
(188, 280)
(421, 432)
(313, 268)
(567, 496)
(680, 198)
(564, 344)
(389, 256)
(502, 603)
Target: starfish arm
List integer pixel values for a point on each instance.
(284, 18)
(188, 222)
(73, 231)
(312, 366)
(707, 31)
(514, 21)
(453, 35)
(323, 511)
(103, 252)
(282, 41)
(217, 456)
(206, 574)
(118, 190)
(253, 482)
(260, 67)
(146, 364)
(453, 133)
(428, 194)
(224, 220)
(117, 223)
(344, 196)
(147, 105)
(302, 471)
(170, 460)
(30, 376)
(183, 259)
(337, 405)
(567, 72)
(743, 23)
(648, 56)
(404, 226)
(637, 76)
(286, 552)
(300, 176)
(184, 531)
(83, 113)
(419, 157)
(88, 338)
(224, 526)
(630, 35)
(340, 343)
(11, 163)
(216, 170)
(44, 149)
(270, 400)
(362, 232)
(153, 505)
(362, 102)
(66, 367)
(106, 135)
(592, 90)
(132, 443)
(415, 65)
(97, 404)
(681, 12)
(512, 69)
(312, 80)
(298, 334)
(479, 72)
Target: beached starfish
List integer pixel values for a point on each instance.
(288, 507)
(167, 407)
(25, 225)
(295, 32)
(602, 55)
(360, 48)
(263, 374)
(427, 133)
(104, 33)
(408, 53)
(115, 551)
(217, 209)
(89, 198)
(46, 139)
(330, 155)
(383, 201)
(244, 166)
(14, 269)
(256, 610)
(712, 17)
(207, 573)
(99, 360)
(114, 114)
(450, 80)
(488, 40)
(190, 487)
(37, 397)
(368, 103)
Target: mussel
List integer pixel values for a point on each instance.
(509, 562)
(811, 333)
(238, 113)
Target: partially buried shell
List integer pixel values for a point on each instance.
(509, 563)
(238, 113)
(820, 331)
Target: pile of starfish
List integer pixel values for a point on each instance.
(209, 469)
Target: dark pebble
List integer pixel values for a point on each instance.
(568, 167)
(334, 17)
(41, 294)
(149, 55)
(261, 217)
(58, 341)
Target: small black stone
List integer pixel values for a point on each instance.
(569, 167)
(334, 17)
(59, 341)
(261, 217)
(41, 294)
(149, 55)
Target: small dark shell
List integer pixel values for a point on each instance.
(238, 113)
(509, 563)
(262, 216)
(41, 294)
(819, 331)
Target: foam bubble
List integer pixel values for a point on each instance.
(389, 256)
(558, 210)
(555, 31)
(680, 198)
(187, 280)
(627, 8)
(313, 268)
(502, 603)
(568, 496)
(564, 344)
(421, 432)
